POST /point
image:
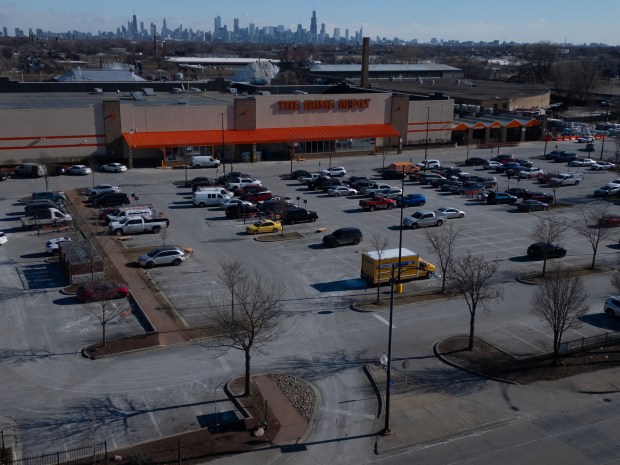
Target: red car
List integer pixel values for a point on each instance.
(256, 197)
(101, 290)
(249, 189)
(609, 221)
(540, 196)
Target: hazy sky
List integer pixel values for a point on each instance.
(480, 20)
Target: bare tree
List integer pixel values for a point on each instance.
(547, 230)
(106, 311)
(471, 276)
(615, 282)
(560, 302)
(47, 165)
(233, 274)
(379, 243)
(443, 240)
(254, 322)
(589, 226)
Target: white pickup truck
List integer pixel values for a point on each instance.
(424, 218)
(137, 225)
(307, 179)
(566, 179)
(238, 183)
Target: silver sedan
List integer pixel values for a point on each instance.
(452, 212)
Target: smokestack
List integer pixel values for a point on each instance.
(365, 59)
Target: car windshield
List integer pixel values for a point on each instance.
(152, 253)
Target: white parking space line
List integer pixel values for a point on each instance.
(152, 417)
(383, 320)
(511, 334)
(224, 364)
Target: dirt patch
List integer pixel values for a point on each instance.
(489, 361)
(372, 305)
(537, 278)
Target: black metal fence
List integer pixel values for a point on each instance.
(96, 453)
(589, 343)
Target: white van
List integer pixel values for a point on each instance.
(145, 211)
(204, 161)
(210, 196)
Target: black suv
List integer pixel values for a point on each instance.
(241, 211)
(392, 174)
(110, 199)
(343, 236)
(299, 215)
(542, 250)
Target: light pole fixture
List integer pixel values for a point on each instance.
(428, 115)
(546, 136)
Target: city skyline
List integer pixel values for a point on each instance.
(527, 21)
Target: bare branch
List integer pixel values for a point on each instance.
(560, 302)
(589, 226)
(471, 277)
(549, 230)
(443, 241)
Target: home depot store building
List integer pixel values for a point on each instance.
(280, 126)
(156, 130)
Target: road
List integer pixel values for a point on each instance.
(57, 399)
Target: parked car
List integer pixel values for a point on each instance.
(343, 236)
(581, 162)
(110, 199)
(101, 290)
(334, 171)
(411, 200)
(500, 198)
(518, 192)
(524, 163)
(227, 202)
(540, 196)
(508, 167)
(542, 250)
(202, 182)
(610, 220)
(426, 178)
(264, 226)
(80, 170)
(532, 172)
(475, 161)
(241, 211)
(299, 215)
(602, 166)
(102, 189)
(255, 197)
(52, 246)
(487, 181)
(429, 164)
(337, 191)
(197, 180)
(392, 193)
(392, 174)
(114, 168)
(424, 218)
(451, 212)
(354, 181)
(492, 164)
(530, 205)
(564, 157)
(612, 306)
(49, 195)
(162, 256)
(607, 190)
(3, 238)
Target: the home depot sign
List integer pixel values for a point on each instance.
(315, 105)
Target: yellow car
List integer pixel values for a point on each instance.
(264, 226)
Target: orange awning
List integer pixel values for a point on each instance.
(149, 140)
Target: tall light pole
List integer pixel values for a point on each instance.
(388, 361)
(606, 118)
(223, 158)
(428, 113)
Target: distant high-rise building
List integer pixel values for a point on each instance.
(236, 26)
(5, 32)
(346, 35)
(313, 27)
(217, 24)
(134, 25)
(337, 34)
(252, 29)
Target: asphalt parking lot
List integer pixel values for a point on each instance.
(308, 269)
(40, 323)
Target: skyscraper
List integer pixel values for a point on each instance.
(134, 25)
(313, 27)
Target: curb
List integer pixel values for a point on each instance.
(456, 365)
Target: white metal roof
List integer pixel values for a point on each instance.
(390, 253)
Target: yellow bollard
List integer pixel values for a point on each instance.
(398, 288)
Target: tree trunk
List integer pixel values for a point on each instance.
(472, 319)
(443, 281)
(247, 388)
(544, 266)
(556, 348)
(378, 284)
(593, 259)
(104, 338)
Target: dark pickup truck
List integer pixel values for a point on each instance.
(377, 202)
